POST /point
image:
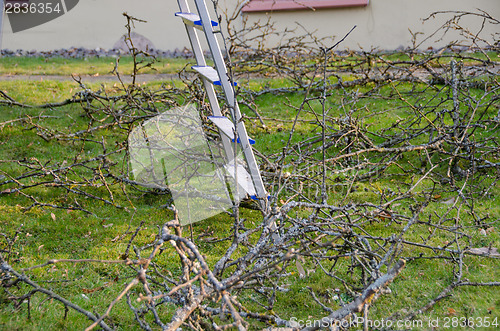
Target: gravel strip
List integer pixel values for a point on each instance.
(98, 52)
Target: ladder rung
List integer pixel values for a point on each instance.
(209, 73)
(244, 179)
(227, 127)
(193, 20)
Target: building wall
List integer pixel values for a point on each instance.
(386, 24)
(383, 23)
(100, 23)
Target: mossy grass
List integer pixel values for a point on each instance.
(48, 233)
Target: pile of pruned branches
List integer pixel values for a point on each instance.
(447, 138)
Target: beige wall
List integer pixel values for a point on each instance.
(100, 23)
(386, 23)
(383, 24)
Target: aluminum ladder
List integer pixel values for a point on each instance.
(229, 129)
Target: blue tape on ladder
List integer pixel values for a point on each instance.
(218, 83)
(198, 22)
(250, 140)
(254, 197)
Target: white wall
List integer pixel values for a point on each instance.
(100, 23)
(383, 24)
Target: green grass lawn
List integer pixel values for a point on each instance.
(34, 236)
(86, 66)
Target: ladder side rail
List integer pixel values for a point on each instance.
(228, 89)
(209, 88)
(249, 156)
(2, 5)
